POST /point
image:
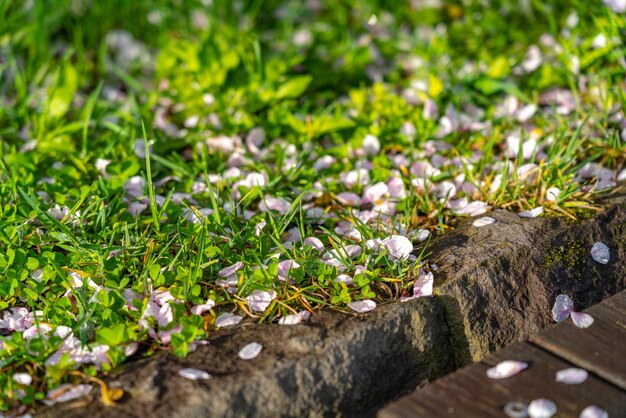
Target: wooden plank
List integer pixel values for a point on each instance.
(600, 348)
(468, 393)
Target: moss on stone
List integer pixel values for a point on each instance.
(570, 257)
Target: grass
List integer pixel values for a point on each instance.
(148, 146)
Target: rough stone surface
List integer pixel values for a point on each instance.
(495, 285)
(499, 282)
(336, 365)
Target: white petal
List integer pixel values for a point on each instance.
(227, 320)
(593, 411)
(600, 253)
(200, 309)
(250, 351)
(259, 300)
(230, 270)
(506, 369)
(424, 285)
(533, 213)
(563, 307)
(571, 376)
(398, 246)
(541, 408)
(344, 278)
(66, 392)
(552, 194)
(362, 306)
(581, 319)
(194, 374)
(23, 378)
(315, 243)
(294, 319)
(485, 220)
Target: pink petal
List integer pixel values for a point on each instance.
(227, 320)
(399, 247)
(600, 253)
(200, 309)
(485, 220)
(250, 351)
(259, 300)
(66, 393)
(533, 213)
(193, 374)
(294, 319)
(593, 411)
(563, 307)
(541, 408)
(424, 285)
(571, 376)
(315, 243)
(230, 270)
(506, 369)
(362, 306)
(581, 319)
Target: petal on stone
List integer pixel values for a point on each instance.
(581, 319)
(485, 220)
(593, 411)
(571, 376)
(424, 285)
(563, 307)
(250, 351)
(533, 213)
(66, 392)
(600, 253)
(506, 369)
(541, 408)
(194, 374)
(362, 306)
(227, 320)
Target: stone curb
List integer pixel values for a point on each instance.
(495, 285)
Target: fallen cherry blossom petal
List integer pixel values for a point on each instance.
(399, 247)
(23, 378)
(294, 319)
(230, 270)
(563, 307)
(516, 409)
(533, 213)
(424, 285)
(600, 253)
(259, 300)
(552, 194)
(362, 306)
(581, 319)
(485, 220)
(571, 376)
(194, 374)
(200, 309)
(315, 243)
(250, 351)
(593, 411)
(506, 369)
(227, 320)
(541, 408)
(66, 392)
